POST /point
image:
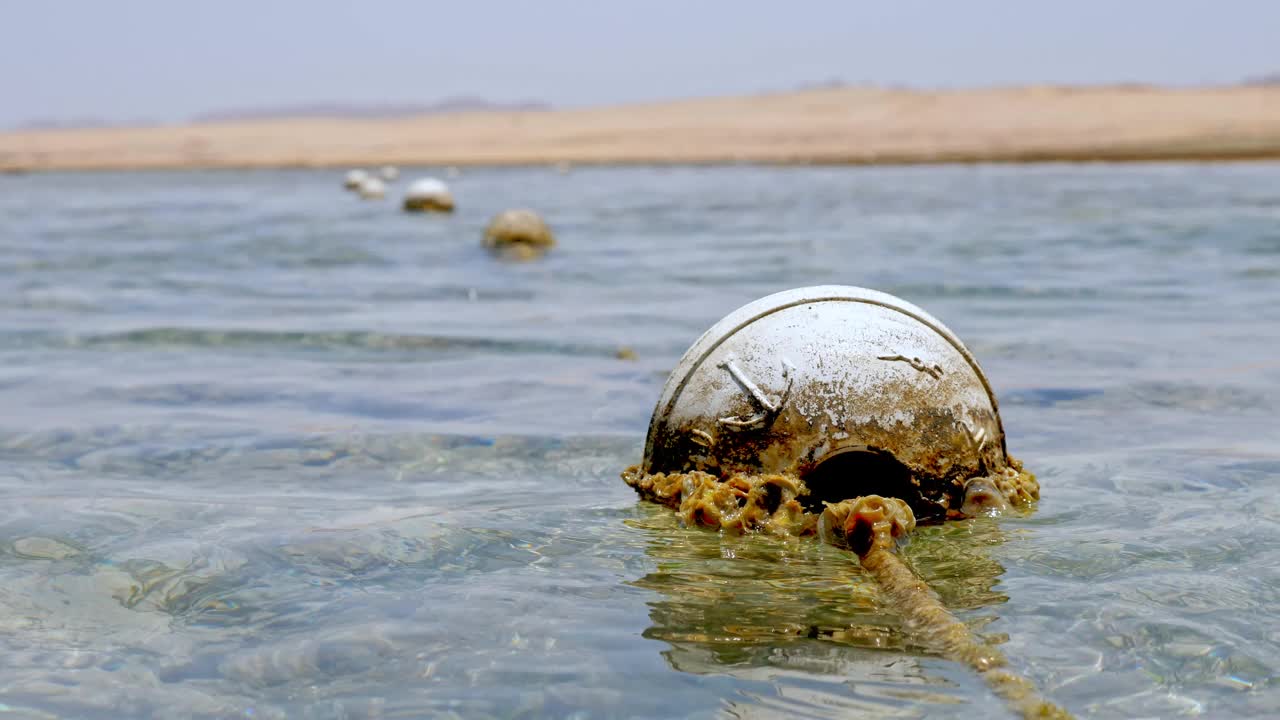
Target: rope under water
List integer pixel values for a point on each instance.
(871, 526)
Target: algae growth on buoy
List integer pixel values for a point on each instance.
(428, 195)
(845, 414)
(518, 233)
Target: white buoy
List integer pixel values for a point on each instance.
(354, 178)
(389, 173)
(428, 195)
(453, 172)
(372, 188)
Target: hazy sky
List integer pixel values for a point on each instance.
(164, 60)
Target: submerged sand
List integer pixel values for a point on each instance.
(838, 126)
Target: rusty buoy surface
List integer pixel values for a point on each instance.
(852, 390)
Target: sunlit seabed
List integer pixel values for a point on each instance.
(270, 451)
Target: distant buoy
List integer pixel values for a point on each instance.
(354, 178)
(453, 172)
(428, 195)
(389, 173)
(522, 231)
(372, 188)
(563, 167)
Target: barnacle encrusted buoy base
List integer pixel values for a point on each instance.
(872, 527)
(845, 414)
(782, 505)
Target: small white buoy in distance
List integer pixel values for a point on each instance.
(372, 188)
(428, 195)
(354, 178)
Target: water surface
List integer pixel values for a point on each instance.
(271, 451)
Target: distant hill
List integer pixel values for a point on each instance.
(76, 123)
(1271, 79)
(352, 111)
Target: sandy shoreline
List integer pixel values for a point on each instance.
(830, 126)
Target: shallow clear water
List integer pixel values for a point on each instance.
(271, 451)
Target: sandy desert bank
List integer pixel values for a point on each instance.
(837, 126)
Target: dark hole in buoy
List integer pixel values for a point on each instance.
(854, 473)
